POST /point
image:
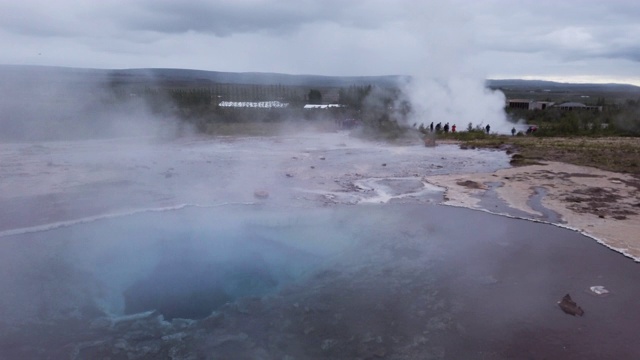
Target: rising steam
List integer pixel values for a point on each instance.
(446, 86)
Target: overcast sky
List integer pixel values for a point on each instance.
(577, 41)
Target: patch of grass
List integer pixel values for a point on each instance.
(619, 154)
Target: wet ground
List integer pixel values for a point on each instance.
(45, 183)
(349, 257)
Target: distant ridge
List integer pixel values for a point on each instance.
(256, 78)
(515, 84)
(206, 78)
(199, 77)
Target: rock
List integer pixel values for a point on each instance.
(517, 159)
(261, 194)
(470, 184)
(570, 307)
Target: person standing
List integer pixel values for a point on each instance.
(453, 128)
(513, 131)
(431, 126)
(488, 128)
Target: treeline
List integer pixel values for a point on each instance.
(379, 111)
(185, 97)
(615, 119)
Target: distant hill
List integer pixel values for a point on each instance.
(187, 77)
(541, 85)
(253, 78)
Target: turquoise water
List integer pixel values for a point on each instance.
(418, 281)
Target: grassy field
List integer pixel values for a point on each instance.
(620, 154)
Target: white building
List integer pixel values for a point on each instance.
(528, 104)
(323, 106)
(253, 104)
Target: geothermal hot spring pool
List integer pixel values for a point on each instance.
(397, 281)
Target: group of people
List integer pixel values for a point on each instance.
(439, 127)
(530, 130)
(446, 127)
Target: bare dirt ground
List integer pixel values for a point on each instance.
(602, 204)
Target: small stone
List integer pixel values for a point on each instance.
(570, 307)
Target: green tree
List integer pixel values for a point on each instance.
(314, 97)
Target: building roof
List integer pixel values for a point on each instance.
(253, 104)
(521, 100)
(323, 106)
(572, 104)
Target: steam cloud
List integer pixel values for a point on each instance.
(446, 86)
(42, 104)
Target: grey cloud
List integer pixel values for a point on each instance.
(228, 17)
(569, 31)
(216, 18)
(314, 36)
(631, 53)
(21, 19)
